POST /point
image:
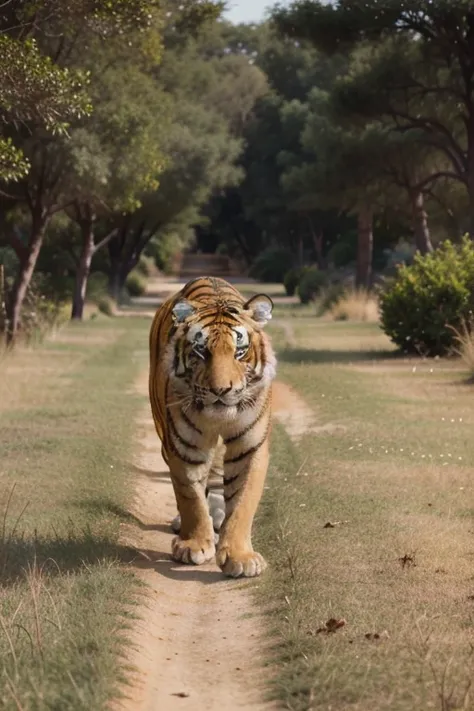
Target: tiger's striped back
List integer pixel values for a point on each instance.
(211, 367)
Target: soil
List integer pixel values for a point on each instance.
(198, 642)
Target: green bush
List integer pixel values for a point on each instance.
(135, 284)
(311, 282)
(106, 305)
(329, 296)
(425, 301)
(145, 265)
(42, 311)
(272, 265)
(292, 279)
(96, 286)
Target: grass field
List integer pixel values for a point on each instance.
(370, 520)
(67, 416)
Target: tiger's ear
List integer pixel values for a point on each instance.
(260, 308)
(181, 310)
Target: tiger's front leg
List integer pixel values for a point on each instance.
(195, 542)
(243, 487)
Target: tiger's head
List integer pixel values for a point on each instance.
(220, 357)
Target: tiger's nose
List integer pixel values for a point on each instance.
(221, 391)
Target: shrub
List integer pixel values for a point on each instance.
(329, 295)
(41, 312)
(96, 286)
(311, 282)
(427, 300)
(135, 283)
(106, 305)
(291, 280)
(145, 265)
(271, 265)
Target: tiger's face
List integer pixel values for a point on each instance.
(221, 360)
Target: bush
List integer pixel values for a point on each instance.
(330, 295)
(146, 265)
(106, 305)
(427, 300)
(135, 284)
(271, 265)
(97, 284)
(42, 312)
(292, 279)
(311, 282)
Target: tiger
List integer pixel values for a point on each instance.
(211, 373)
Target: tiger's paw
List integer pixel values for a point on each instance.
(247, 564)
(192, 550)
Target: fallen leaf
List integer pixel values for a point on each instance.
(331, 626)
(408, 561)
(377, 635)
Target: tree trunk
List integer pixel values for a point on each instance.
(28, 260)
(318, 244)
(114, 282)
(83, 270)
(365, 248)
(420, 223)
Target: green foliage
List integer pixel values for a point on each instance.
(135, 284)
(292, 279)
(329, 296)
(427, 300)
(272, 264)
(106, 305)
(34, 90)
(145, 265)
(311, 282)
(46, 307)
(96, 286)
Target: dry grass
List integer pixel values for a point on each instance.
(67, 420)
(395, 482)
(465, 346)
(355, 305)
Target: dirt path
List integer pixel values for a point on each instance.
(198, 644)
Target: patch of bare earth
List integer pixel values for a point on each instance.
(295, 415)
(197, 643)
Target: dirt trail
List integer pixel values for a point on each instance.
(198, 644)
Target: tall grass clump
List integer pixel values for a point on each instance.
(355, 305)
(464, 345)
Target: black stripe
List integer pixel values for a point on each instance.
(231, 479)
(252, 450)
(184, 458)
(178, 436)
(187, 294)
(201, 294)
(228, 321)
(231, 496)
(190, 423)
(252, 424)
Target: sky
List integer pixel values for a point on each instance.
(247, 10)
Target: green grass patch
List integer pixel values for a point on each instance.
(66, 436)
(393, 481)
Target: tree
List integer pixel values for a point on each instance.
(64, 30)
(202, 156)
(427, 68)
(116, 157)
